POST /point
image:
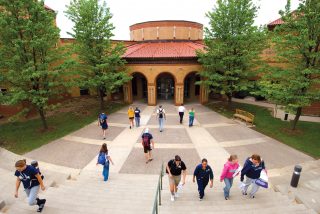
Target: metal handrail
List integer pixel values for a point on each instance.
(157, 198)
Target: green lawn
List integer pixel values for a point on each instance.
(22, 137)
(306, 138)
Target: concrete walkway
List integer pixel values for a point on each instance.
(279, 113)
(212, 136)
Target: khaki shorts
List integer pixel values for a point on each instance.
(175, 179)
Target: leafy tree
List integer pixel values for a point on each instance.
(100, 60)
(233, 45)
(296, 43)
(29, 55)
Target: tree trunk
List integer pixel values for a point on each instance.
(229, 99)
(101, 99)
(296, 119)
(43, 118)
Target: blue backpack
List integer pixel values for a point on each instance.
(102, 158)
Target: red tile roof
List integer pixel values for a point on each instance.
(276, 22)
(167, 49)
(48, 8)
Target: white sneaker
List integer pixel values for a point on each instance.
(176, 194)
(172, 198)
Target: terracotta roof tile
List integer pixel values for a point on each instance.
(163, 50)
(276, 22)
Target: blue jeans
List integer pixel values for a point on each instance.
(105, 172)
(226, 189)
(32, 195)
(191, 121)
(137, 119)
(161, 120)
(201, 186)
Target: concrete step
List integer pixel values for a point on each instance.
(280, 209)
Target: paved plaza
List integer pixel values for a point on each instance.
(213, 137)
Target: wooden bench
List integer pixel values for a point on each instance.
(244, 115)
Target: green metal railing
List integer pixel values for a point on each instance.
(157, 198)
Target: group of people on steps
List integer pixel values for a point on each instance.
(203, 174)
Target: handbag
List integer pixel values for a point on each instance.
(263, 180)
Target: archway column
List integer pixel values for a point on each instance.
(127, 92)
(152, 93)
(204, 95)
(179, 87)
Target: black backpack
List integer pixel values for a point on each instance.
(161, 113)
(145, 140)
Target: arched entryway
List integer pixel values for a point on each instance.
(139, 86)
(165, 83)
(191, 89)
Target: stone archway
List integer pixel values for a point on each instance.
(165, 86)
(139, 86)
(191, 90)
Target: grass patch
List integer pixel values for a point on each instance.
(305, 138)
(22, 137)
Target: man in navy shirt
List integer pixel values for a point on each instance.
(203, 173)
(32, 181)
(137, 116)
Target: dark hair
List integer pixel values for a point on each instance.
(160, 106)
(232, 157)
(104, 148)
(177, 158)
(256, 157)
(204, 160)
(21, 163)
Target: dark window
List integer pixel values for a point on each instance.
(84, 91)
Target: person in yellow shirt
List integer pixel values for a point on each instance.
(131, 116)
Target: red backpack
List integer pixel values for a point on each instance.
(145, 140)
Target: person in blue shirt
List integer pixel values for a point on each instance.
(251, 169)
(203, 173)
(32, 181)
(137, 116)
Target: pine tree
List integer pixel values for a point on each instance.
(29, 55)
(296, 42)
(101, 65)
(233, 45)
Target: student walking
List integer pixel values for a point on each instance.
(228, 173)
(104, 159)
(147, 140)
(161, 115)
(32, 182)
(251, 169)
(181, 110)
(137, 116)
(175, 168)
(191, 117)
(102, 121)
(203, 173)
(131, 116)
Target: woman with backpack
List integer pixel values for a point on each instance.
(32, 182)
(104, 159)
(228, 173)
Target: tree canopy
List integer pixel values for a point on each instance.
(233, 45)
(100, 62)
(295, 84)
(29, 55)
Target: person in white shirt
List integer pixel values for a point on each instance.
(181, 110)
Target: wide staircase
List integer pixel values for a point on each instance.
(266, 201)
(72, 192)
